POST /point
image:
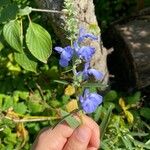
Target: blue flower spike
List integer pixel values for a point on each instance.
(90, 101)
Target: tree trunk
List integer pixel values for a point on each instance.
(85, 15)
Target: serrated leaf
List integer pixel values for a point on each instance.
(145, 112)
(11, 32)
(39, 42)
(71, 121)
(134, 98)
(8, 13)
(20, 108)
(26, 11)
(26, 61)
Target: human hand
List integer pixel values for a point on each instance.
(62, 137)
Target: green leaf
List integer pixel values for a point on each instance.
(61, 82)
(97, 113)
(94, 85)
(72, 121)
(8, 13)
(1, 46)
(26, 61)
(133, 99)
(39, 42)
(126, 142)
(106, 121)
(4, 2)
(11, 32)
(111, 96)
(145, 112)
(7, 103)
(20, 108)
(26, 11)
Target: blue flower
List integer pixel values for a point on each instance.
(83, 35)
(66, 55)
(87, 72)
(90, 101)
(84, 52)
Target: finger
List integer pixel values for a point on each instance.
(53, 139)
(79, 139)
(92, 148)
(95, 137)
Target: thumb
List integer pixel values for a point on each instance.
(79, 139)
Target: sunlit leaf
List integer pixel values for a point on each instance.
(72, 105)
(129, 116)
(71, 121)
(26, 61)
(39, 42)
(11, 32)
(70, 90)
(122, 103)
(26, 11)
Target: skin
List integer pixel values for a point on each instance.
(62, 137)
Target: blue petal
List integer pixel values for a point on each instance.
(97, 99)
(65, 55)
(86, 52)
(59, 49)
(97, 74)
(63, 62)
(88, 106)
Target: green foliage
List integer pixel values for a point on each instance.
(30, 98)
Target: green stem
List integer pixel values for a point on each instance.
(47, 10)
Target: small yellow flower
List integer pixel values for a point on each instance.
(70, 90)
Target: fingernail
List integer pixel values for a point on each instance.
(83, 134)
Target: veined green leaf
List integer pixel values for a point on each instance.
(26, 61)
(38, 42)
(11, 32)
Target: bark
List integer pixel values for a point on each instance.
(85, 14)
(131, 56)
